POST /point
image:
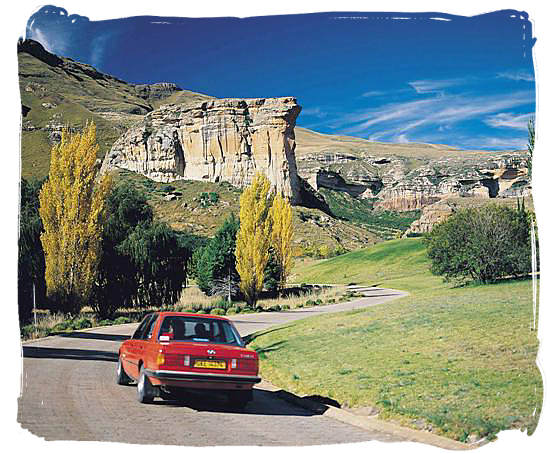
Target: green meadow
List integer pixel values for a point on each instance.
(456, 360)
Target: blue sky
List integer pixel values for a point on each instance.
(391, 77)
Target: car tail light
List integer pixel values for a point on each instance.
(233, 363)
(160, 359)
(186, 360)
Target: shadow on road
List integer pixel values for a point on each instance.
(264, 403)
(96, 336)
(69, 353)
(378, 296)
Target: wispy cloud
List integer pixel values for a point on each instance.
(370, 94)
(497, 143)
(507, 120)
(434, 112)
(435, 86)
(52, 44)
(517, 75)
(314, 112)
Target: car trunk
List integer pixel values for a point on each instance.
(208, 358)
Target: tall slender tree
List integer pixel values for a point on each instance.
(282, 232)
(72, 203)
(254, 237)
(530, 143)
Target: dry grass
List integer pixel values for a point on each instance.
(326, 294)
(193, 298)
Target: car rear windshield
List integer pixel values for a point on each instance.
(199, 329)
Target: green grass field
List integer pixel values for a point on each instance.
(461, 360)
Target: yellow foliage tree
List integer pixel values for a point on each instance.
(72, 205)
(282, 232)
(254, 237)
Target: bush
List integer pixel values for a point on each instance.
(231, 311)
(81, 323)
(105, 322)
(275, 308)
(481, 244)
(63, 326)
(217, 311)
(121, 320)
(201, 312)
(285, 307)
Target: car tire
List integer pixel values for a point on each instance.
(145, 391)
(239, 399)
(121, 377)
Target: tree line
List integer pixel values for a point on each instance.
(88, 241)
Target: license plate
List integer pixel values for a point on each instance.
(210, 364)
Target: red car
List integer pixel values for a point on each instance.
(174, 351)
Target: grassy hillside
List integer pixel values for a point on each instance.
(400, 264)
(193, 210)
(58, 92)
(459, 360)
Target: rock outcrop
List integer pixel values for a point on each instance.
(217, 140)
(431, 215)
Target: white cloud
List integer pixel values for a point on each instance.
(314, 112)
(435, 86)
(497, 143)
(517, 75)
(507, 120)
(370, 94)
(434, 112)
(55, 46)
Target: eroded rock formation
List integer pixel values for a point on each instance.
(217, 140)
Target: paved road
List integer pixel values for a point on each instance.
(69, 393)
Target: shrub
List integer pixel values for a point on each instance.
(285, 307)
(62, 326)
(121, 320)
(201, 312)
(105, 322)
(231, 311)
(481, 244)
(275, 308)
(217, 311)
(81, 323)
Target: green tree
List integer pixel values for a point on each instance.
(31, 266)
(72, 212)
(254, 237)
(117, 282)
(481, 244)
(160, 259)
(215, 263)
(530, 143)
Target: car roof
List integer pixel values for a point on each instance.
(190, 314)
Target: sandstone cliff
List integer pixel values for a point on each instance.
(217, 140)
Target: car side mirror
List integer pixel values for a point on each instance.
(164, 338)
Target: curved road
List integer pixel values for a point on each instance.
(69, 393)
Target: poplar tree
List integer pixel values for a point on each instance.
(72, 206)
(254, 237)
(282, 232)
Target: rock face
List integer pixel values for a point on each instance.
(486, 177)
(431, 215)
(217, 140)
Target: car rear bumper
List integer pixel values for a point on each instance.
(178, 376)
